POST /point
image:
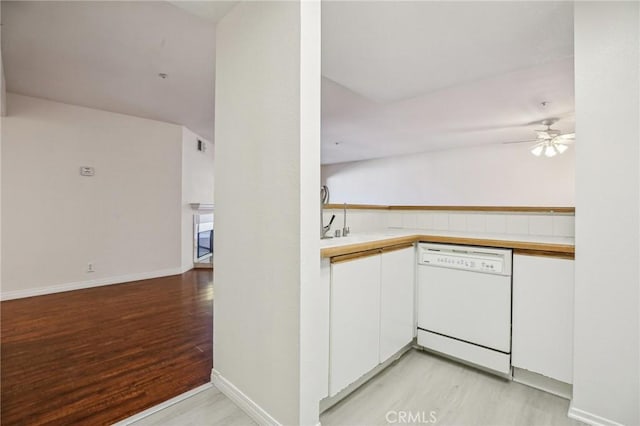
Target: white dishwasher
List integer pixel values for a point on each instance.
(464, 303)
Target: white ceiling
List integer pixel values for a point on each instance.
(107, 55)
(399, 77)
(494, 110)
(403, 77)
(387, 51)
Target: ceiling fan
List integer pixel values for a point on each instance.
(550, 142)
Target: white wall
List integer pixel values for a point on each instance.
(495, 175)
(267, 178)
(607, 331)
(3, 111)
(197, 187)
(3, 89)
(125, 219)
(312, 363)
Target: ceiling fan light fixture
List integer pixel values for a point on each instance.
(550, 151)
(561, 147)
(537, 150)
(551, 142)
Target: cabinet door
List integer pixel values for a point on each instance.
(397, 289)
(542, 334)
(354, 320)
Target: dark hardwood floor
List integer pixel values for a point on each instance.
(99, 355)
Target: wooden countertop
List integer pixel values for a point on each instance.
(519, 247)
(501, 209)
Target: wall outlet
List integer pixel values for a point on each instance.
(90, 267)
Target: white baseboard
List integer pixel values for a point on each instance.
(544, 383)
(163, 405)
(589, 418)
(39, 291)
(246, 404)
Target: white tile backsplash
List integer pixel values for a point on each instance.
(564, 226)
(496, 223)
(457, 222)
(476, 223)
(381, 219)
(518, 224)
(559, 225)
(369, 222)
(425, 220)
(441, 221)
(409, 220)
(356, 220)
(540, 225)
(395, 219)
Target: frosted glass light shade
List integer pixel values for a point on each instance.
(537, 150)
(551, 143)
(550, 151)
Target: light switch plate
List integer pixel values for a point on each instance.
(87, 171)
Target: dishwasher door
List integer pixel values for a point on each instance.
(472, 307)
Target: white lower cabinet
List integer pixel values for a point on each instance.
(354, 320)
(397, 289)
(371, 313)
(542, 324)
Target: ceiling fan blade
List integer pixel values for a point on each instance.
(567, 136)
(564, 141)
(499, 126)
(491, 127)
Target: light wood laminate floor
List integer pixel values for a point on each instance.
(417, 384)
(207, 408)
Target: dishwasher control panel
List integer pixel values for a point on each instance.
(469, 263)
(475, 259)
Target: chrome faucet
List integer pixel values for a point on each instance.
(345, 228)
(324, 199)
(326, 229)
